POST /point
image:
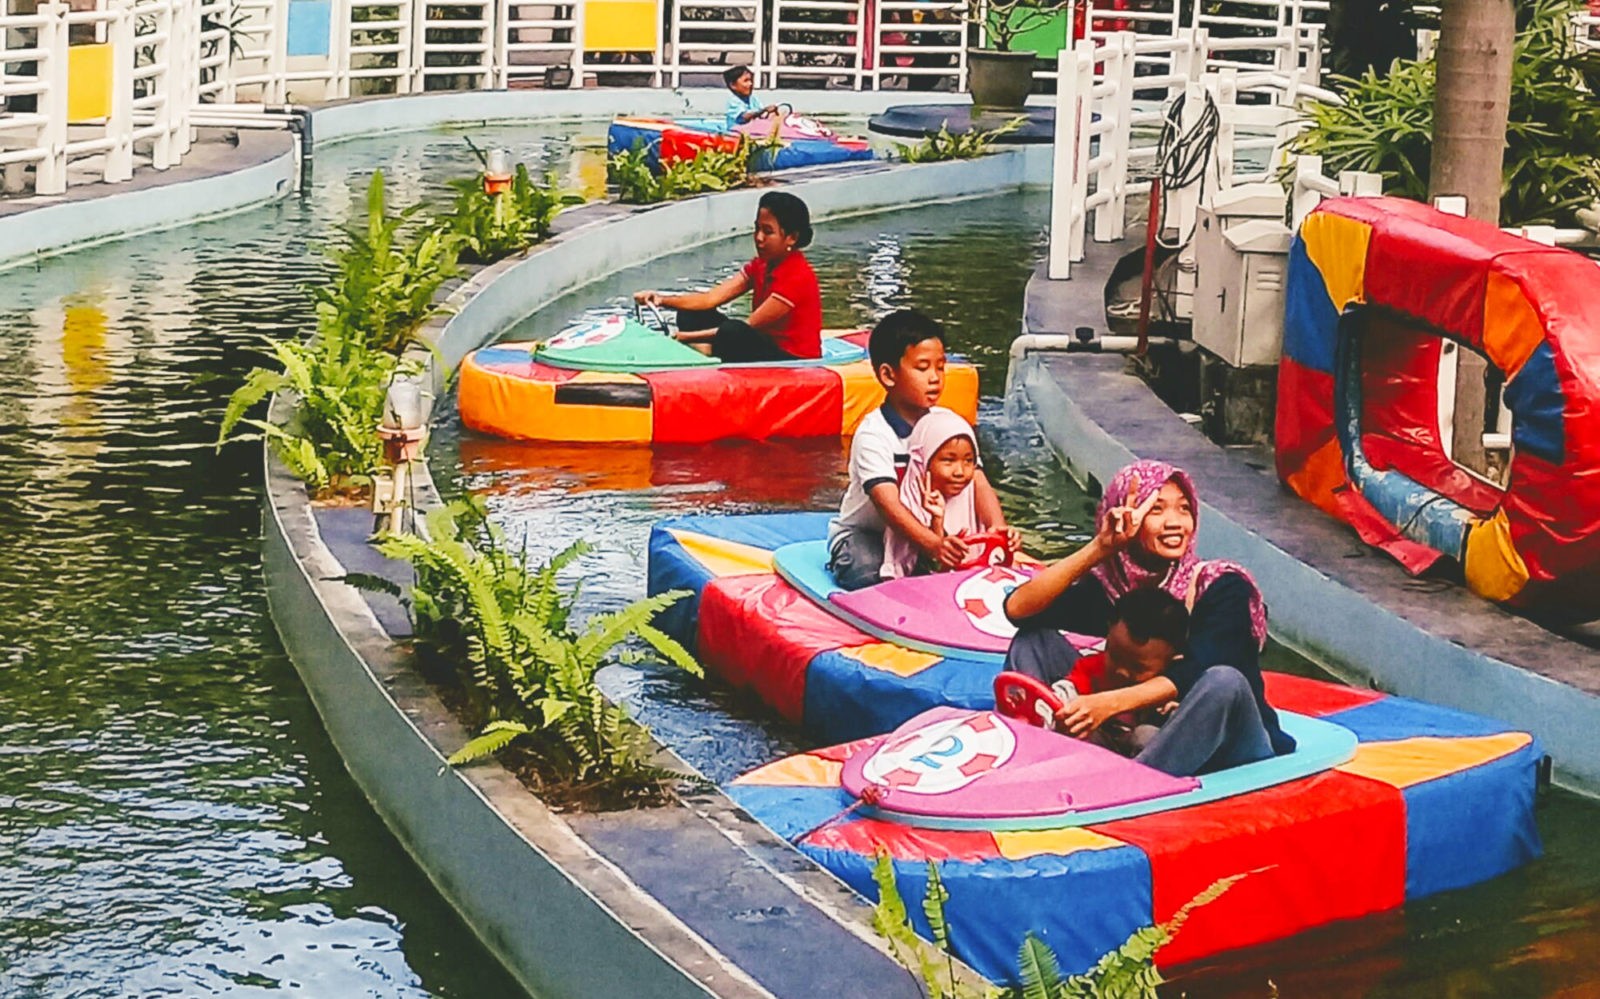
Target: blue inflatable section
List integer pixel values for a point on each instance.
(1102, 897)
(792, 154)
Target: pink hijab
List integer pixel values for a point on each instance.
(960, 511)
(1186, 578)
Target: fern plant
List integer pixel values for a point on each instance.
(529, 674)
(386, 274)
(1129, 972)
(330, 439)
(941, 145)
(708, 170)
(488, 227)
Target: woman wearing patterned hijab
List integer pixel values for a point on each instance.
(1145, 533)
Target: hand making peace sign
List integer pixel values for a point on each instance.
(1121, 524)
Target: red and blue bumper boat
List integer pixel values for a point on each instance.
(801, 141)
(1385, 800)
(616, 380)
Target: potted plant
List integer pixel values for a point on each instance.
(1001, 79)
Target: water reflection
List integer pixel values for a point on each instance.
(1527, 934)
(172, 818)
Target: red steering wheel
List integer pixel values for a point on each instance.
(1019, 696)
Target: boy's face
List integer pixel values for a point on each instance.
(917, 381)
(743, 85)
(1129, 663)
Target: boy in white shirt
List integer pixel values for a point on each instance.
(907, 353)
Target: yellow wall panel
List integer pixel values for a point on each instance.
(88, 82)
(621, 26)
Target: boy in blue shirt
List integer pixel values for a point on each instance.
(743, 105)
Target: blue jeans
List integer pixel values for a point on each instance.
(1217, 724)
(856, 559)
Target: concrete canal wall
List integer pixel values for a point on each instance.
(535, 890)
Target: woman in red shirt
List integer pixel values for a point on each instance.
(785, 321)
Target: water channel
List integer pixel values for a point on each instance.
(173, 821)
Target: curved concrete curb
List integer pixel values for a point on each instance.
(265, 165)
(532, 887)
(263, 168)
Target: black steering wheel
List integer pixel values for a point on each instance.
(661, 321)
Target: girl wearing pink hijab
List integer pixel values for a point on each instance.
(938, 489)
(1145, 532)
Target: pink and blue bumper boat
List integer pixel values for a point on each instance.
(1384, 801)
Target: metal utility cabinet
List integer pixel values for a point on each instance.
(1242, 257)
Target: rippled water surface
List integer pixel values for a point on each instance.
(173, 820)
(1530, 933)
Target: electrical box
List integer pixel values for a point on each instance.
(1239, 297)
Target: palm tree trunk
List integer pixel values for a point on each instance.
(1470, 108)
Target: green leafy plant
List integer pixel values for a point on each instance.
(385, 277)
(488, 226)
(1129, 972)
(708, 170)
(528, 672)
(1552, 159)
(329, 440)
(1003, 21)
(941, 145)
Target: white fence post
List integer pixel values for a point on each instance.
(1110, 217)
(1063, 166)
(1083, 68)
(50, 175)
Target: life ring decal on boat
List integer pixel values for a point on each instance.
(982, 598)
(1376, 288)
(941, 757)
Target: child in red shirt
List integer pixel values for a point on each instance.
(1148, 631)
(785, 321)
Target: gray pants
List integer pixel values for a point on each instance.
(856, 559)
(1217, 724)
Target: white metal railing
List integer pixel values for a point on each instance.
(707, 36)
(1102, 135)
(68, 113)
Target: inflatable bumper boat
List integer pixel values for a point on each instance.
(1376, 286)
(1384, 800)
(801, 141)
(617, 380)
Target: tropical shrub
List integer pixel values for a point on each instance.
(941, 145)
(1552, 159)
(709, 170)
(386, 274)
(527, 671)
(329, 440)
(487, 227)
(1129, 972)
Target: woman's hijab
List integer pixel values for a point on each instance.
(960, 511)
(1188, 576)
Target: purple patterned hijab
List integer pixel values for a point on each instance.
(1186, 578)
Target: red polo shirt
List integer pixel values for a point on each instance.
(793, 281)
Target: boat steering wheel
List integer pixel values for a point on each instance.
(661, 321)
(1019, 696)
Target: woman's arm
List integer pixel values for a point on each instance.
(698, 301)
(771, 313)
(1120, 526)
(1219, 628)
(1035, 596)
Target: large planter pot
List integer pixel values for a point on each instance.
(1000, 81)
